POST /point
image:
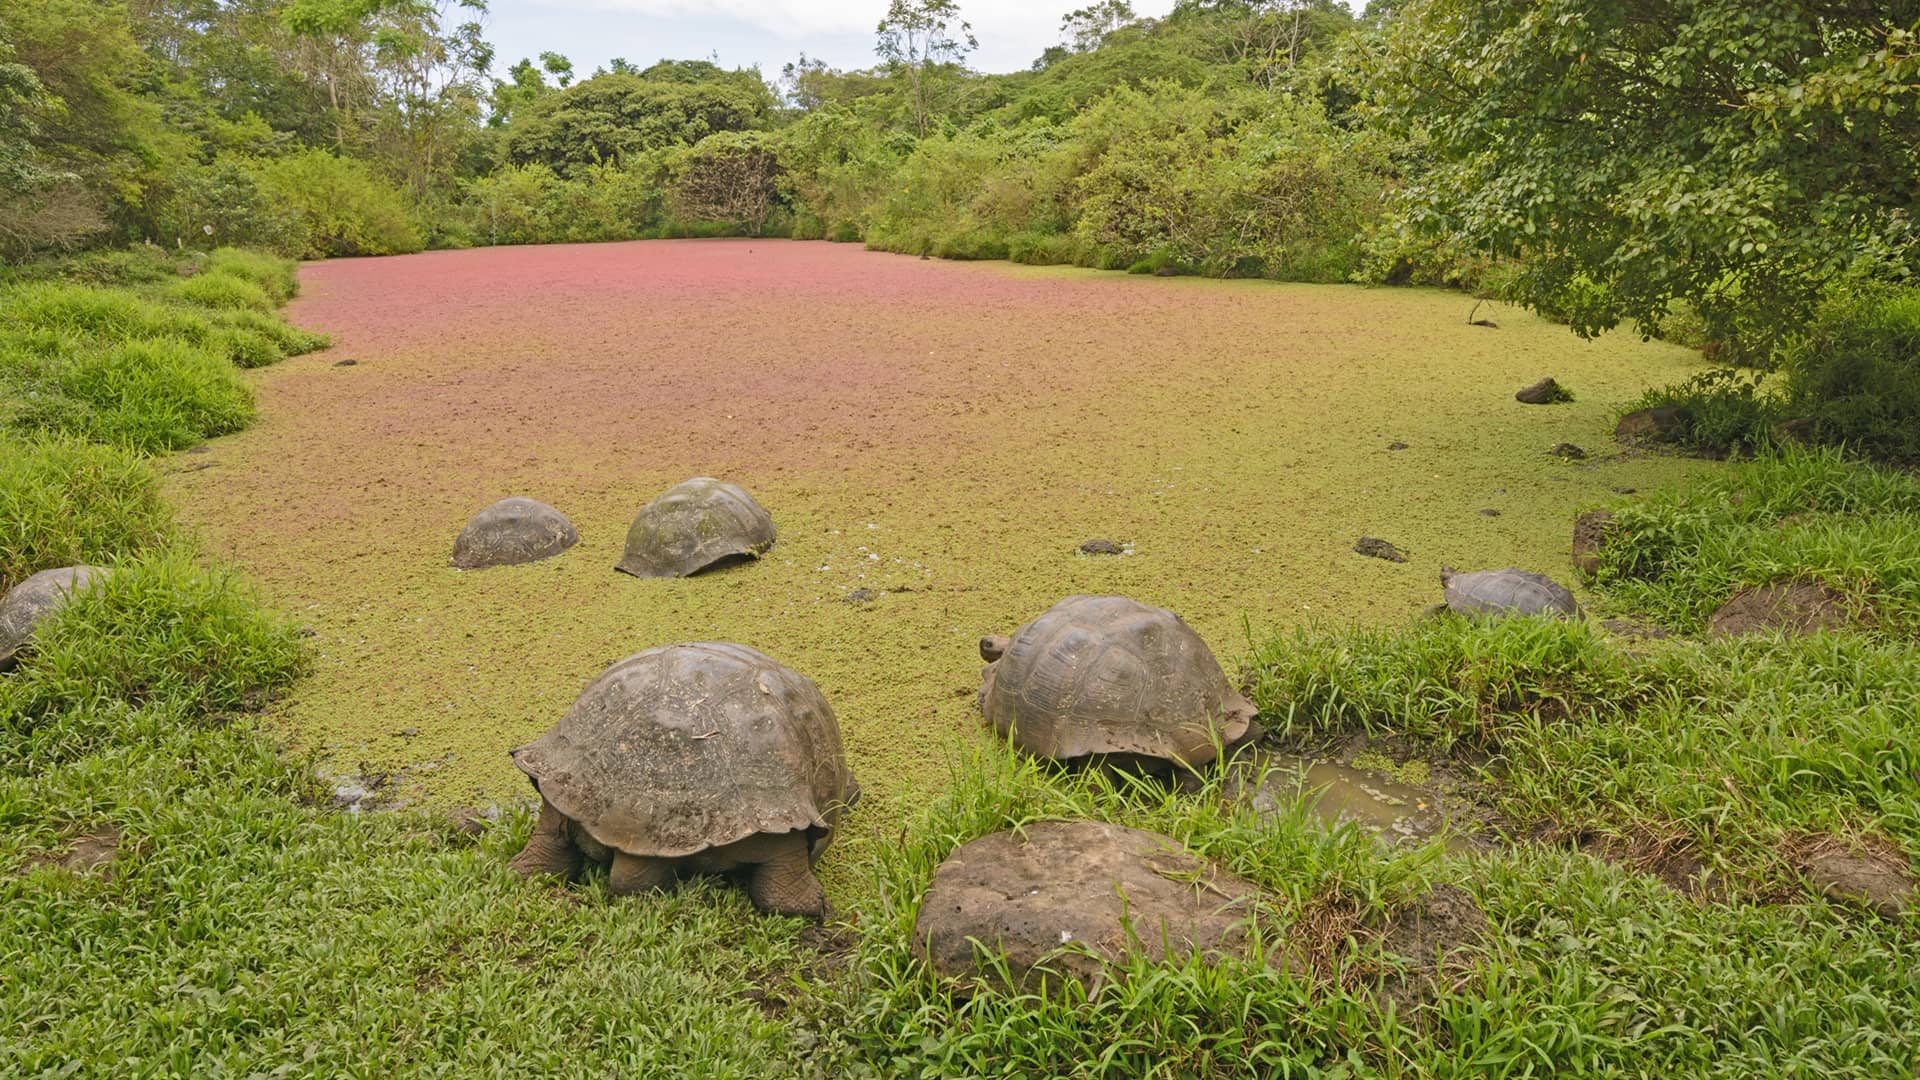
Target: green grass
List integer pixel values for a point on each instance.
(147, 361)
(65, 502)
(1795, 513)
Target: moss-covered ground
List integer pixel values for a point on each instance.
(944, 434)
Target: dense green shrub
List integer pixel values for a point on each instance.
(340, 206)
(64, 502)
(161, 631)
(610, 119)
(1855, 379)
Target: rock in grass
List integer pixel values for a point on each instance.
(1375, 548)
(1661, 423)
(1873, 874)
(1589, 539)
(1796, 607)
(39, 596)
(1544, 392)
(1567, 451)
(1102, 547)
(513, 531)
(1397, 445)
(1063, 899)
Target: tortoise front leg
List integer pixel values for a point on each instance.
(637, 874)
(548, 850)
(784, 884)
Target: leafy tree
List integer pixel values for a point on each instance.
(1733, 154)
(730, 177)
(917, 40)
(1086, 28)
(609, 118)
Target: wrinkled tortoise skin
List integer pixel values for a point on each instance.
(693, 526)
(1105, 675)
(687, 747)
(1505, 592)
(513, 531)
(33, 600)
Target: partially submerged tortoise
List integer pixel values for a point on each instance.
(1109, 678)
(703, 758)
(33, 600)
(1505, 592)
(513, 531)
(695, 525)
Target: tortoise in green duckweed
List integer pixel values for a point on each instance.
(1505, 592)
(1110, 679)
(696, 525)
(701, 758)
(33, 600)
(513, 531)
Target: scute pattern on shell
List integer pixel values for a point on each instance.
(33, 600)
(685, 747)
(1506, 592)
(694, 525)
(513, 531)
(1109, 675)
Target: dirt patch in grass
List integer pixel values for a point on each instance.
(937, 438)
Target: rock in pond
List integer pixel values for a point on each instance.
(1544, 392)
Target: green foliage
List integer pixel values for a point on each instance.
(612, 119)
(1723, 411)
(340, 206)
(1794, 513)
(1855, 379)
(64, 502)
(159, 632)
(1735, 157)
(730, 178)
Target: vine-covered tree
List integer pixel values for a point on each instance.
(918, 40)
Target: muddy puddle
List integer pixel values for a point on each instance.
(1396, 811)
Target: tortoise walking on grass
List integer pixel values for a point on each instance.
(1505, 592)
(695, 525)
(1109, 678)
(33, 600)
(703, 758)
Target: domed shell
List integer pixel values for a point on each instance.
(513, 531)
(1108, 675)
(1505, 592)
(694, 525)
(685, 747)
(34, 599)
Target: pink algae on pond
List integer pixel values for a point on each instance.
(943, 435)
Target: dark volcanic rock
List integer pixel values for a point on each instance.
(1797, 606)
(1589, 537)
(1102, 547)
(1662, 423)
(1544, 392)
(1376, 548)
(1071, 896)
(1569, 452)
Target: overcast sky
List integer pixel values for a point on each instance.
(769, 33)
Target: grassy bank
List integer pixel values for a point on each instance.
(178, 896)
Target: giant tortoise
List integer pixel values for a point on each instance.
(1108, 678)
(695, 525)
(33, 600)
(703, 758)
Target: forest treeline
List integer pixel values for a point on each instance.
(1713, 169)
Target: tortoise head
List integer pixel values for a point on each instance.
(994, 647)
(1446, 576)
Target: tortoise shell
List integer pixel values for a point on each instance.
(694, 525)
(33, 600)
(513, 531)
(1108, 675)
(1505, 592)
(685, 747)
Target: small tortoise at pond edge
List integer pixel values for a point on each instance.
(33, 600)
(695, 525)
(703, 758)
(1109, 678)
(1505, 592)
